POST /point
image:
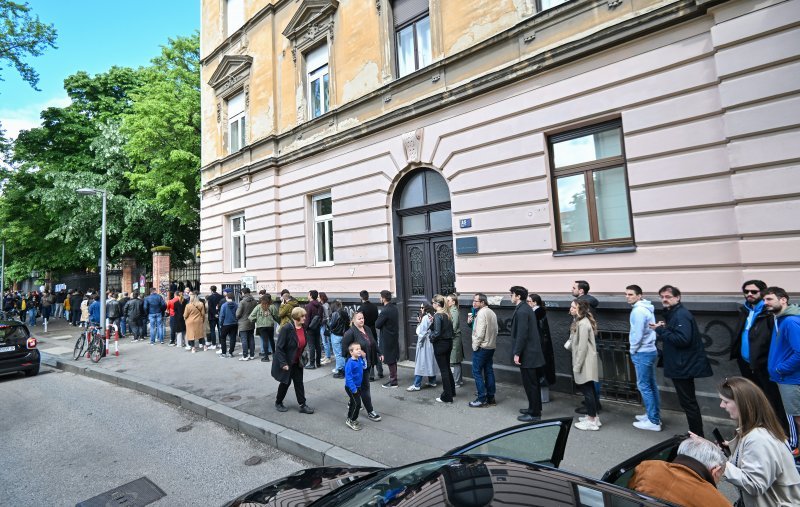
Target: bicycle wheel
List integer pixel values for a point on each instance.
(79, 344)
(97, 349)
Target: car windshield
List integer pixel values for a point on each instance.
(8, 333)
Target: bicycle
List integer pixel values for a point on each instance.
(97, 345)
(12, 314)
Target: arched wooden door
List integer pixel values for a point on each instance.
(425, 236)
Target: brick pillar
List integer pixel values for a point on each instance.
(128, 267)
(161, 268)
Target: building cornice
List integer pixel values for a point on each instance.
(623, 31)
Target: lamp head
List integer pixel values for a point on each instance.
(88, 191)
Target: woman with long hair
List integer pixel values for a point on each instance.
(761, 465)
(195, 315)
(424, 361)
(584, 361)
(457, 354)
(265, 315)
(338, 324)
(287, 366)
(548, 371)
(442, 339)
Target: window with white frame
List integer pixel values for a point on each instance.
(236, 123)
(238, 230)
(234, 15)
(323, 229)
(318, 81)
(412, 28)
(549, 4)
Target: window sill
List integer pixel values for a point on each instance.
(322, 264)
(595, 251)
(240, 270)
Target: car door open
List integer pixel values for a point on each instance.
(663, 451)
(540, 442)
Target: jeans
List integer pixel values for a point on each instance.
(418, 380)
(58, 310)
(248, 343)
(136, 329)
(336, 343)
(483, 373)
(213, 330)
(326, 341)
(645, 365)
(156, 327)
(267, 335)
(32, 317)
(172, 329)
(684, 388)
(123, 326)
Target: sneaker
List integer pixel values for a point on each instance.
(431, 384)
(265, 359)
(389, 385)
(305, 409)
(152, 343)
(325, 361)
(478, 404)
(212, 347)
(353, 425)
(440, 400)
(243, 358)
(311, 366)
(459, 384)
(647, 425)
(171, 344)
(193, 350)
(374, 416)
(188, 347)
(586, 426)
(642, 417)
(586, 418)
(491, 401)
(280, 407)
(338, 374)
(219, 351)
(412, 388)
(251, 358)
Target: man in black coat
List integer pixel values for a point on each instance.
(527, 351)
(213, 302)
(389, 323)
(75, 301)
(370, 311)
(684, 354)
(751, 343)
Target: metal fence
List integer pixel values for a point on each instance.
(618, 379)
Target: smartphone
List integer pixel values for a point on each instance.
(721, 442)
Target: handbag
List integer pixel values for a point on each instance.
(315, 323)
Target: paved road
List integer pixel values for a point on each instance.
(49, 457)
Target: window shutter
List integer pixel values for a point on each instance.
(406, 10)
(316, 58)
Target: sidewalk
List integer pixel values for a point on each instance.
(241, 395)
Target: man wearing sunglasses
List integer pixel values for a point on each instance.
(751, 343)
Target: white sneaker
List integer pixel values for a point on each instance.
(586, 426)
(642, 417)
(187, 347)
(219, 351)
(647, 425)
(212, 347)
(586, 418)
(412, 387)
(242, 358)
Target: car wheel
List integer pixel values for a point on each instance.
(32, 372)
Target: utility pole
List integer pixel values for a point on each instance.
(3, 269)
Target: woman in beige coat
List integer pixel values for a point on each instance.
(195, 314)
(584, 361)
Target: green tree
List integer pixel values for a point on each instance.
(23, 35)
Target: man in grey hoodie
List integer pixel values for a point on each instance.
(644, 356)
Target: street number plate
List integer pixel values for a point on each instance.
(8, 349)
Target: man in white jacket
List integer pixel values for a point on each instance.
(644, 356)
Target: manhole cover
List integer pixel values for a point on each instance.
(232, 398)
(123, 370)
(184, 429)
(252, 461)
(136, 493)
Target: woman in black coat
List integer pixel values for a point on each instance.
(442, 340)
(288, 361)
(370, 350)
(548, 371)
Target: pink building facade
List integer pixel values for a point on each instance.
(660, 147)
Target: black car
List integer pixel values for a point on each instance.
(18, 350)
(515, 466)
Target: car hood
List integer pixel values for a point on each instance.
(303, 487)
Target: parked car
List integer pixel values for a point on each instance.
(514, 466)
(18, 349)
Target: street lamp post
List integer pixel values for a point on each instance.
(103, 279)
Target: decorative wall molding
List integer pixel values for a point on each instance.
(232, 71)
(312, 23)
(246, 180)
(412, 144)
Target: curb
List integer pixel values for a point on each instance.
(285, 439)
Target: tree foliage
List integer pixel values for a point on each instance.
(23, 35)
(132, 132)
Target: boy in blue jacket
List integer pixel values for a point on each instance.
(353, 376)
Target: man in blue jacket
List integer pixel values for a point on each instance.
(644, 356)
(784, 354)
(154, 306)
(685, 356)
